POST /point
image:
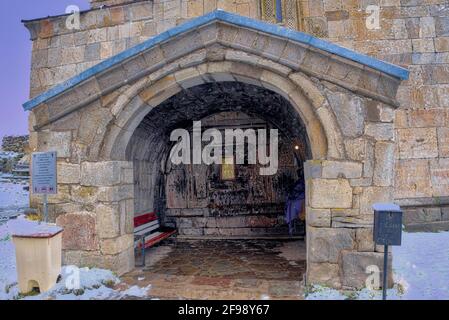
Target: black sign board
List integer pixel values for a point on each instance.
(387, 224)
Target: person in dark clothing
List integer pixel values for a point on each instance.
(295, 202)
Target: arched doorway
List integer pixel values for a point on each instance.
(199, 198)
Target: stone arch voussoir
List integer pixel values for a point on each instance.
(132, 106)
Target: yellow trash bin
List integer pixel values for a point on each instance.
(38, 254)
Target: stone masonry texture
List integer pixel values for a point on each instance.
(371, 137)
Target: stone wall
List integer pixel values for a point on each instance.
(348, 109)
(414, 34)
(59, 53)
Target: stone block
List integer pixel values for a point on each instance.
(313, 169)
(117, 245)
(154, 57)
(79, 231)
(181, 46)
(340, 169)
(271, 48)
(55, 141)
(126, 217)
(364, 240)
(352, 222)
(101, 174)
(108, 221)
(326, 244)
(445, 214)
(372, 195)
(293, 55)
(318, 217)
(424, 118)
(325, 274)
(350, 112)
(384, 164)
(412, 179)
(417, 143)
(441, 26)
(120, 263)
(112, 78)
(439, 176)
(443, 142)
(421, 215)
(380, 131)
(354, 268)
(330, 194)
(308, 88)
(245, 39)
(68, 173)
(116, 193)
(141, 11)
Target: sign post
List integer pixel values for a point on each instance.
(44, 177)
(387, 232)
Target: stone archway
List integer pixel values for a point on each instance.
(345, 101)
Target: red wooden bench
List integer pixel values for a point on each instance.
(148, 232)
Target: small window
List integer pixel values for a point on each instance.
(284, 12)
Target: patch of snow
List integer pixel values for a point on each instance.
(75, 283)
(13, 199)
(324, 293)
(136, 291)
(420, 272)
(8, 155)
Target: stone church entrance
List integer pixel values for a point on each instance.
(204, 200)
(111, 124)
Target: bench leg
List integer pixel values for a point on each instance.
(143, 251)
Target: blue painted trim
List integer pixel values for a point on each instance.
(220, 15)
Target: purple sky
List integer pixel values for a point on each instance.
(15, 54)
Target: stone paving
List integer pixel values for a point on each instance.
(239, 269)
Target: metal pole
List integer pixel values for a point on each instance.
(45, 208)
(385, 273)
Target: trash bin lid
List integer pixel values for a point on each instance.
(22, 228)
(387, 207)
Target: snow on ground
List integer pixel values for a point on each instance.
(8, 155)
(13, 198)
(421, 271)
(75, 283)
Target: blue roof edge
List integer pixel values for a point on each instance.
(220, 15)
